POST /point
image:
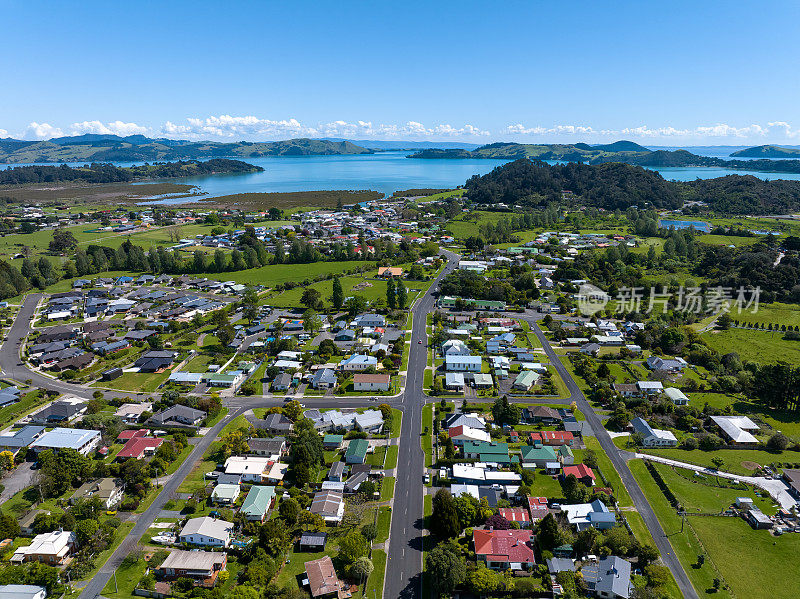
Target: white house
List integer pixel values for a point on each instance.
(462, 363)
(371, 382)
(677, 396)
(653, 437)
(358, 362)
(251, 468)
(207, 531)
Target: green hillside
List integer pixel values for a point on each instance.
(768, 152)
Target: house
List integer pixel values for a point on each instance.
(22, 591)
(370, 320)
(281, 382)
(537, 456)
(504, 549)
(21, 439)
(653, 437)
(486, 452)
(202, 567)
(469, 420)
(388, 272)
(277, 423)
(582, 472)
(322, 580)
(225, 494)
(358, 362)
(267, 446)
(332, 442)
(455, 347)
(59, 411)
(82, 441)
(108, 490)
(586, 515)
(336, 472)
(371, 421)
(735, 429)
(356, 451)
(155, 361)
(482, 381)
(626, 389)
(329, 505)
(460, 434)
(677, 396)
(609, 578)
(649, 387)
(666, 364)
(325, 378)
(371, 382)
(537, 506)
(463, 363)
(51, 548)
(139, 447)
(251, 469)
(132, 412)
(454, 381)
(178, 415)
(791, 477)
(9, 395)
(206, 531)
(345, 335)
(758, 519)
(565, 455)
(542, 414)
(516, 514)
(310, 542)
(557, 438)
(258, 502)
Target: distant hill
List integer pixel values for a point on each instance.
(625, 153)
(768, 152)
(375, 144)
(134, 148)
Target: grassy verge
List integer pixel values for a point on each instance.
(427, 440)
(387, 488)
(384, 523)
(391, 456)
(397, 423)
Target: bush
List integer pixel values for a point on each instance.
(689, 443)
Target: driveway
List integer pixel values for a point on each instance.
(18, 479)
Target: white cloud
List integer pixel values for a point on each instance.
(4, 133)
(41, 131)
(113, 128)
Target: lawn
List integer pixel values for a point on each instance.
(610, 473)
(391, 456)
(686, 546)
(371, 289)
(125, 580)
(733, 458)
(427, 441)
(387, 488)
(29, 402)
(384, 522)
(397, 422)
(135, 382)
(759, 346)
(276, 274)
(775, 314)
(375, 580)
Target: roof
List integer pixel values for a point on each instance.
(226, 491)
(545, 452)
(485, 448)
(327, 503)
(208, 527)
(21, 591)
(258, 501)
(611, 577)
(579, 470)
(137, 446)
(507, 545)
(371, 378)
(65, 438)
(515, 514)
(736, 427)
(357, 447)
(313, 538)
(322, 579)
(192, 560)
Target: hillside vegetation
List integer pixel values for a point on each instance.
(768, 152)
(105, 148)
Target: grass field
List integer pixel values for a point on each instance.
(763, 347)
(135, 382)
(284, 273)
(291, 298)
(777, 313)
(733, 458)
(461, 229)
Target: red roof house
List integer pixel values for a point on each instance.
(581, 471)
(553, 437)
(515, 514)
(129, 434)
(138, 447)
(537, 506)
(504, 549)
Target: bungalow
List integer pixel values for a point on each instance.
(626, 389)
(482, 381)
(469, 420)
(138, 447)
(666, 364)
(609, 578)
(82, 441)
(206, 531)
(516, 514)
(332, 442)
(463, 363)
(358, 362)
(543, 414)
(281, 382)
(336, 472)
(455, 347)
(325, 378)
(389, 272)
(322, 580)
(345, 335)
(582, 472)
(650, 387)
(132, 412)
(537, 506)
(313, 542)
(537, 456)
(370, 320)
(51, 548)
(653, 437)
(178, 415)
(677, 396)
(251, 469)
(155, 361)
(486, 452)
(552, 438)
(329, 505)
(258, 502)
(272, 446)
(589, 515)
(225, 494)
(202, 567)
(460, 434)
(108, 490)
(371, 421)
(356, 451)
(525, 380)
(454, 381)
(736, 429)
(371, 382)
(505, 549)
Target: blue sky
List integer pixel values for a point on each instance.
(660, 73)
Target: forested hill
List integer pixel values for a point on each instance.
(614, 185)
(108, 173)
(768, 152)
(625, 152)
(135, 148)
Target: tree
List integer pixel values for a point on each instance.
(241, 591)
(484, 581)
(504, 412)
(391, 298)
(657, 576)
(250, 304)
(6, 461)
(273, 537)
(337, 298)
(289, 510)
(400, 292)
(370, 532)
(355, 305)
(446, 567)
(275, 213)
(85, 530)
(548, 533)
(352, 546)
(293, 410)
(311, 321)
(444, 521)
(718, 462)
(777, 442)
(311, 298)
(361, 568)
(62, 241)
(603, 371)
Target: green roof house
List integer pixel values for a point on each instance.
(565, 455)
(258, 502)
(486, 452)
(537, 456)
(356, 451)
(332, 441)
(225, 494)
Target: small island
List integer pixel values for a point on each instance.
(768, 152)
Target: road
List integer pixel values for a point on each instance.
(621, 466)
(404, 564)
